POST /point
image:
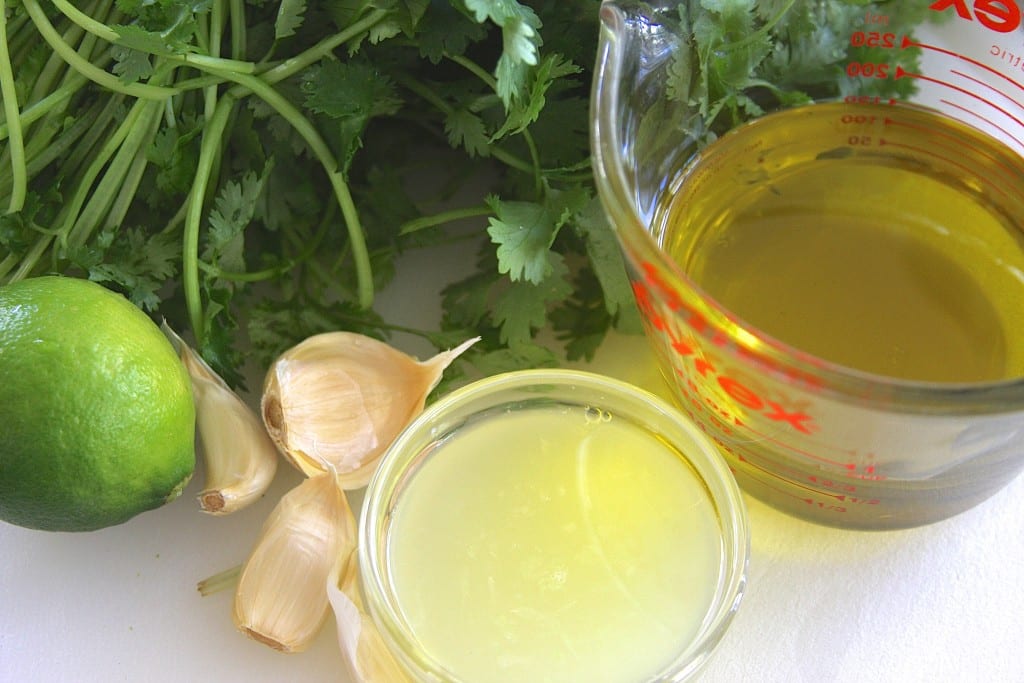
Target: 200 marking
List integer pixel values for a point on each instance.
(868, 69)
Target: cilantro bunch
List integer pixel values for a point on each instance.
(745, 58)
(247, 168)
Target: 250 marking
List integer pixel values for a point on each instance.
(872, 39)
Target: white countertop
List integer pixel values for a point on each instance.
(937, 603)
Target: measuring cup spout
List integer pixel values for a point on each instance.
(635, 132)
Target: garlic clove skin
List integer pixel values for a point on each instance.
(280, 599)
(240, 459)
(336, 401)
(362, 648)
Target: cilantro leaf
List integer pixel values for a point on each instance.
(521, 42)
(133, 261)
(131, 65)
(522, 308)
(403, 18)
(445, 31)
(526, 111)
(501, 87)
(289, 18)
(233, 210)
(524, 233)
(513, 358)
(468, 131)
(350, 94)
(583, 321)
(608, 266)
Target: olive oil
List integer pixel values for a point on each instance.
(557, 544)
(886, 239)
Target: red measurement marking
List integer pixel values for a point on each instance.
(824, 506)
(920, 150)
(901, 73)
(799, 451)
(832, 484)
(888, 121)
(859, 501)
(975, 114)
(907, 42)
(775, 475)
(989, 86)
(776, 488)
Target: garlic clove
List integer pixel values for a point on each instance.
(362, 648)
(240, 459)
(280, 599)
(336, 401)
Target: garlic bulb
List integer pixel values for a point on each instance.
(240, 460)
(367, 657)
(281, 599)
(337, 400)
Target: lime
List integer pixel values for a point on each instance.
(97, 422)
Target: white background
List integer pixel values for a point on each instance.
(938, 603)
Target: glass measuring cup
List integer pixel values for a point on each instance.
(890, 135)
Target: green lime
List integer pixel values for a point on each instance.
(97, 422)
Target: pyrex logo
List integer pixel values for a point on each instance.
(998, 15)
(698, 373)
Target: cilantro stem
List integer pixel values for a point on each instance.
(538, 177)
(133, 177)
(16, 142)
(510, 160)
(475, 69)
(764, 30)
(444, 217)
(88, 69)
(324, 48)
(29, 261)
(147, 114)
(41, 108)
(439, 103)
(105, 32)
(197, 60)
(216, 30)
(248, 276)
(238, 29)
(111, 112)
(73, 208)
(54, 67)
(209, 148)
(97, 28)
(532, 168)
(5, 266)
(220, 581)
(357, 240)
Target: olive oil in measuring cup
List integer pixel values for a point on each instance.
(884, 238)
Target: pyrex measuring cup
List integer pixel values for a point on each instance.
(821, 207)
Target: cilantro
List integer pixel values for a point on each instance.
(748, 58)
(524, 233)
(350, 94)
(131, 261)
(468, 131)
(247, 169)
(522, 308)
(289, 18)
